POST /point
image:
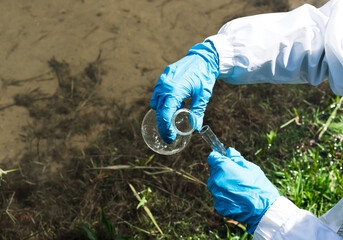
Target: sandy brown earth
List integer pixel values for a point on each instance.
(137, 39)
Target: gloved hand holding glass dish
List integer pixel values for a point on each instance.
(295, 47)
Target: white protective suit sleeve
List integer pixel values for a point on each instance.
(285, 221)
(301, 46)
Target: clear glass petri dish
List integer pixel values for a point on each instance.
(183, 122)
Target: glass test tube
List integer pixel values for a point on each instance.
(212, 140)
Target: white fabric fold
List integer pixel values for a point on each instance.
(285, 221)
(301, 46)
(334, 218)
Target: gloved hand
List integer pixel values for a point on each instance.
(239, 188)
(192, 76)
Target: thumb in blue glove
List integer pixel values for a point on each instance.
(192, 76)
(239, 188)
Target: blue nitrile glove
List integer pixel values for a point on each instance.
(192, 76)
(239, 188)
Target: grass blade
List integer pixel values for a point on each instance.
(147, 210)
(107, 224)
(332, 116)
(88, 231)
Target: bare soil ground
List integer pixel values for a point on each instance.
(76, 78)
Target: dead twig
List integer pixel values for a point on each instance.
(8, 209)
(12, 49)
(161, 170)
(38, 78)
(90, 32)
(7, 106)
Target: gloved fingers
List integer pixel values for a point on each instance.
(154, 101)
(198, 107)
(231, 152)
(225, 174)
(236, 156)
(232, 155)
(199, 119)
(215, 159)
(165, 110)
(155, 98)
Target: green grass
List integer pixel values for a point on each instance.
(304, 168)
(114, 187)
(312, 175)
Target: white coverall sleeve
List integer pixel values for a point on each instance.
(301, 46)
(285, 221)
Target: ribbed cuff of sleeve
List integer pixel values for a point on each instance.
(225, 52)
